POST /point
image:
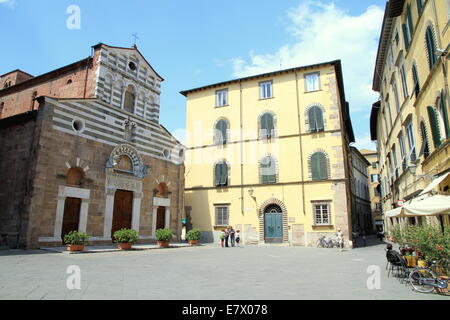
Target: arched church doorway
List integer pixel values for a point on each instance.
(123, 210)
(273, 224)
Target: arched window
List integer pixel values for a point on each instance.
(415, 80)
(431, 47)
(267, 126)
(434, 124)
(268, 170)
(443, 112)
(221, 174)
(130, 98)
(221, 132)
(425, 150)
(319, 166)
(315, 116)
(75, 176)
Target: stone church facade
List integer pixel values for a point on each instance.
(94, 159)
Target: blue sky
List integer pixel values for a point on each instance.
(192, 43)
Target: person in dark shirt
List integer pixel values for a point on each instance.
(232, 232)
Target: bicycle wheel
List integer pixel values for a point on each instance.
(420, 280)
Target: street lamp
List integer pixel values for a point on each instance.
(250, 192)
(412, 169)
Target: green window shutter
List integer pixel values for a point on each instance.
(319, 119)
(424, 150)
(315, 166)
(223, 174)
(419, 6)
(416, 80)
(445, 114)
(434, 127)
(268, 174)
(409, 20)
(323, 167)
(221, 132)
(312, 120)
(217, 175)
(431, 48)
(319, 167)
(405, 36)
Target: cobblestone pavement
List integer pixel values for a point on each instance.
(205, 272)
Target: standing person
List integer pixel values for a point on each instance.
(232, 235)
(364, 239)
(226, 235)
(238, 238)
(340, 237)
(222, 237)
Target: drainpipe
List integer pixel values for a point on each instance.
(300, 142)
(242, 148)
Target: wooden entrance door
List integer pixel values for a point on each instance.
(71, 217)
(161, 218)
(273, 224)
(123, 209)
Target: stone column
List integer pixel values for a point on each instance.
(59, 218)
(82, 227)
(109, 210)
(137, 197)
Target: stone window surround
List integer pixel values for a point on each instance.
(63, 193)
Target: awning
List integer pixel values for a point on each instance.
(394, 213)
(434, 183)
(430, 206)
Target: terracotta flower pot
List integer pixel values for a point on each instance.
(75, 247)
(125, 246)
(163, 244)
(193, 242)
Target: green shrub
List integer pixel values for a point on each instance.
(193, 234)
(76, 237)
(126, 236)
(164, 235)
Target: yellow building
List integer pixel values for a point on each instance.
(411, 120)
(268, 155)
(374, 187)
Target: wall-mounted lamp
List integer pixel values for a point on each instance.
(412, 168)
(250, 192)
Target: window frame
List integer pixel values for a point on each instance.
(411, 141)
(263, 85)
(321, 205)
(217, 207)
(307, 75)
(217, 95)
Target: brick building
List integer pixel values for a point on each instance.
(81, 148)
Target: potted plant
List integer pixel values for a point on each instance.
(125, 238)
(192, 236)
(163, 237)
(75, 240)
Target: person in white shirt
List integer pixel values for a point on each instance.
(340, 237)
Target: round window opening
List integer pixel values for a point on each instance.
(132, 66)
(78, 125)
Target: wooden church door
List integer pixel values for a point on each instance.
(123, 209)
(71, 217)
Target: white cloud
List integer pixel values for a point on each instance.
(365, 143)
(9, 3)
(324, 32)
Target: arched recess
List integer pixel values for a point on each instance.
(284, 213)
(315, 126)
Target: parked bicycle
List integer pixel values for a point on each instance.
(324, 242)
(425, 280)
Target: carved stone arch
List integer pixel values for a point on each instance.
(306, 115)
(310, 164)
(277, 169)
(284, 213)
(275, 122)
(228, 169)
(139, 169)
